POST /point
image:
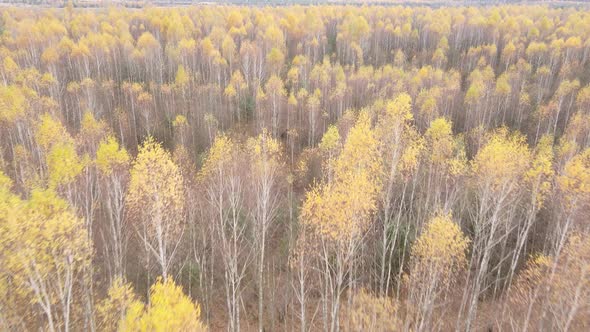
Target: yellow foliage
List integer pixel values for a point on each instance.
(182, 78)
(110, 156)
(264, 149)
(169, 309)
(179, 121)
(13, 103)
(342, 209)
(444, 149)
(440, 140)
(397, 133)
(147, 41)
(541, 173)
(44, 242)
(10, 66)
(275, 59)
(292, 100)
(92, 129)
(529, 279)
(502, 161)
(559, 285)
(218, 157)
(440, 249)
(372, 313)
(156, 191)
(400, 108)
(330, 147)
(113, 309)
(230, 91)
(64, 164)
(50, 132)
(574, 182)
(411, 155)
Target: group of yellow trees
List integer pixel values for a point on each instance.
(295, 168)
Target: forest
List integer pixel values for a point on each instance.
(295, 168)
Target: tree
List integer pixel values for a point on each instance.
(275, 93)
(573, 184)
(156, 200)
(224, 191)
(169, 309)
(399, 146)
(538, 180)
(113, 309)
(339, 213)
(437, 261)
(266, 168)
(553, 292)
(46, 251)
(113, 165)
(498, 168)
(372, 313)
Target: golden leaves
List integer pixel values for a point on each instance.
(110, 310)
(219, 156)
(110, 156)
(169, 309)
(575, 179)
(502, 161)
(441, 246)
(541, 173)
(13, 103)
(372, 313)
(560, 286)
(50, 132)
(445, 150)
(264, 149)
(155, 191)
(330, 146)
(182, 78)
(43, 238)
(342, 208)
(63, 164)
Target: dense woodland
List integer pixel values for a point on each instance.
(318, 168)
